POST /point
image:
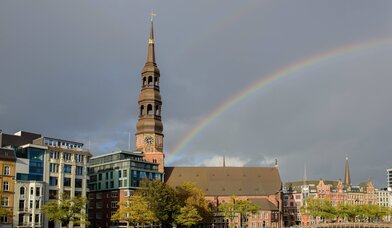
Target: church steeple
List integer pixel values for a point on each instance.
(149, 128)
(151, 48)
(347, 177)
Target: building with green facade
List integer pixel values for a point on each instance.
(113, 177)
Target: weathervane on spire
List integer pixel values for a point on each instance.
(153, 14)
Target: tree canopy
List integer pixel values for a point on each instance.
(135, 210)
(67, 210)
(237, 207)
(324, 209)
(188, 216)
(162, 200)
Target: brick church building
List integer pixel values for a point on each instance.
(262, 185)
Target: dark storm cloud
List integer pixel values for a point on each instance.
(71, 69)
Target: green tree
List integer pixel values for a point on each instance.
(245, 208)
(188, 216)
(67, 210)
(135, 210)
(189, 194)
(322, 208)
(347, 211)
(231, 210)
(162, 200)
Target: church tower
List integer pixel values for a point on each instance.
(149, 128)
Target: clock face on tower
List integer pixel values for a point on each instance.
(149, 140)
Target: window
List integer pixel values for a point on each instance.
(99, 205)
(53, 181)
(124, 173)
(79, 170)
(111, 175)
(99, 195)
(37, 191)
(37, 204)
(22, 190)
(4, 201)
(119, 173)
(67, 156)
(54, 168)
(36, 218)
(52, 194)
(7, 170)
(114, 194)
(31, 190)
(114, 204)
(21, 205)
(149, 109)
(111, 184)
(31, 204)
(100, 176)
(67, 182)
(3, 219)
(67, 168)
(78, 183)
(6, 186)
(78, 158)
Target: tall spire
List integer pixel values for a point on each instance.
(149, 127)
(151, 48)
(347, 178)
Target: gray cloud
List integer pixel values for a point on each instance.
(71, 69)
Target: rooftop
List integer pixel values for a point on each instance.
(239, 181)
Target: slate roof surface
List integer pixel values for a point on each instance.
(264, 204)
(227, 181)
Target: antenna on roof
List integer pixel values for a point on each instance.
(89, 144)
(224, 161)
(276, 163)
(305, 175)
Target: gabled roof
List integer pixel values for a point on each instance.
(264, 204)
(227, 181)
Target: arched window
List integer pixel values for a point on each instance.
(157, 111)
(141, 110)
(156, 81)
(22, 190)
(144, 81)
(150, 81)
(149, 109)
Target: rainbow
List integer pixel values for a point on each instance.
(264, 81)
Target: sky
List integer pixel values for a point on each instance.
(71, 69)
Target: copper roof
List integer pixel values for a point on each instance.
(227, 181)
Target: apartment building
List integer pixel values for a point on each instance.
(46, 168)
(7, 176)
(113, 177)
